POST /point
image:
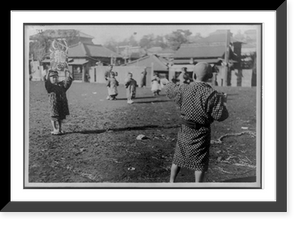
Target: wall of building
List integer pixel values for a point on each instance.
(36, 71)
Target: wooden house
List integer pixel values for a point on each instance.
(82, 56)
(219, 49)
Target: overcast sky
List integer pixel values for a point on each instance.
(103, 33)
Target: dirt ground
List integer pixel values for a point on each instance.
(100, 142)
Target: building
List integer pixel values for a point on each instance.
(161, 52)
(82, 52)
(154, 62)
(219, 49)
(82, 56)
(211, 49)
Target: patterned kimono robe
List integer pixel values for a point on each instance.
(142, 82)
(58, 102)
(112, 87)
(155, 84)
(199, 104)
(130, 85)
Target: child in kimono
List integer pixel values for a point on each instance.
(130, 85)
(112, 85)
(57, 98)
(199, 105)
(155, 85)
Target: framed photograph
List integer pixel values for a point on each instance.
(151, 114)
(137, 145)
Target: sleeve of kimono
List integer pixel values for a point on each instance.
(217, 108)
(127, 82)
(48, 85)
(106, 75)
(174, 92)
(68, 82)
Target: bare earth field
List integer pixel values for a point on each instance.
(100, 142)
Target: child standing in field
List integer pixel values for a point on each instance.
(130, 85)
(112, 85)
(200, 105)
(155, 85)
(57, 98)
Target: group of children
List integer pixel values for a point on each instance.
(112, 87)
(130, 85)
(58, 103)
(194, 98)
(57, 91)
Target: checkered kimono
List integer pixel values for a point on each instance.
(130, 86)
(201, 104)
(58, 103)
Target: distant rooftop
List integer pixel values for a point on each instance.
(91, 50)
(199, 51)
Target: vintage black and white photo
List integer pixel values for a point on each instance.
(143, 105)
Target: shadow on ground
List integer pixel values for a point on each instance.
(99, 131)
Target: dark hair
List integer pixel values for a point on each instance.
(53, 71)
(215, 69)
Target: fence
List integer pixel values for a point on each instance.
(238, 78)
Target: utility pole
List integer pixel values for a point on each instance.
(226, 58)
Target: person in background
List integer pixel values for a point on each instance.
(200, 105)
(112, 86)
(185, 75)
(163, 82)
(58, 102)
(87, 77)
(155, 85)
(143, 78)
(215, 71)
(182, 78)
(107, 76)
(130, 85)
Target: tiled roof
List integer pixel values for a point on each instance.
(77, 50)
(198, 51)
(147, 62)
(99, 51)
(90, 50)
(187, 61)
